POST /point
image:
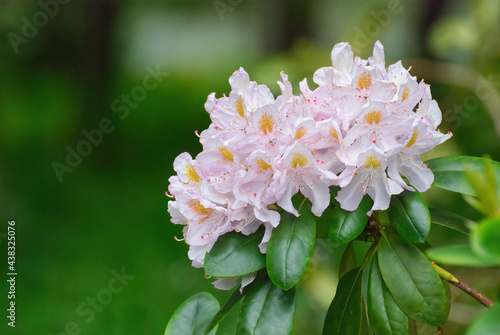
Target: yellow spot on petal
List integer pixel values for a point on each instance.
(333, 133)
(239, 107)
(191, 173)
(266, 123)
(298, 160)
(364, 80)
(199, 209)
(373, 117)
(413, 138)
(371, 162)
(301, 131)
(263, 165)
(227, 154)
(406, 92)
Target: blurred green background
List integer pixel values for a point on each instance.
(62, 69)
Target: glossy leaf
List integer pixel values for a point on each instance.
(451, 220)
(386, 318)
(193, 316)
(485, 239)
(348, 260)
(345, 225)
(235, 254)
(290, 247)
(488, 323)
(458, 255)
(412, 280)
(449, 172)
(232, 301)
(267, 310)
(410, 216)
(344, 315)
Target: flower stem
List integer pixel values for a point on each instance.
(485, 301)
(368, 254)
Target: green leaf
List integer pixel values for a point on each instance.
(290, 248)
(485, 239)
(345, 225)
(451, 220)
(488, 323)
(348, 260)
(383, 312)
(410, 216)
(412, 280)
(232, 301)
(344, 314)
(193, 315)
(458, 255)
(449, 172)
(235, 254)
(267, 310)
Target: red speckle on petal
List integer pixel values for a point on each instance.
(322, 162)
(255, 194)
(317, 161)
(374, 141)
(208, 180)
(315, 184)
(202, 237)
(216, 127)
(421, 117)
(308, 100)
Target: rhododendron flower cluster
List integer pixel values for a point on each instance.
(363, 129)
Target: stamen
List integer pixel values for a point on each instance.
(179, 239)
(196, 133)
(366, 181)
